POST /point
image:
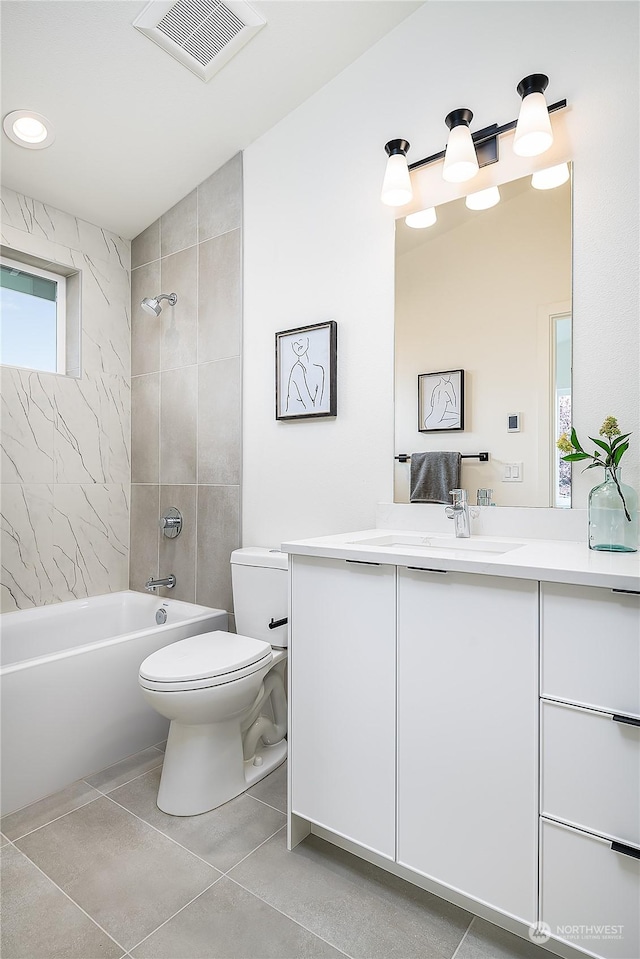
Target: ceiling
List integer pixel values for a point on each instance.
(135, 130)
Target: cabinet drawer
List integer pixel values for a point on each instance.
(591, 771)
(591, 647)
(590, 893)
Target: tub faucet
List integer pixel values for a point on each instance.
(459, 513)
(168, 581)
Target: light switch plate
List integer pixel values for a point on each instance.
(512, 473)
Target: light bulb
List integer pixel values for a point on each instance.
(483, 199)
(30, 129)
(422, 219)
(550, 178)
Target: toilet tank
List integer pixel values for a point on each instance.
(260, 584)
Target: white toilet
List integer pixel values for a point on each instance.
(225, 693)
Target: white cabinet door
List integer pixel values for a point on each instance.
(343, 725)
(467, 734)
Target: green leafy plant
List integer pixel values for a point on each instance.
(613, 450)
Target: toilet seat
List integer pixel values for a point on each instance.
(210, 659)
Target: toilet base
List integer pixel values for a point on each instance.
(203, 767)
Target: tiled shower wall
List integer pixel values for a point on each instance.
(186, 391)
(65, 440)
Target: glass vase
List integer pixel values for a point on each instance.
(609, 527)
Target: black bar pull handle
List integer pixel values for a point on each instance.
(627, 720)
(278, 622)
(630, 851)
(361, 562)
(426, 569)
(630, 592)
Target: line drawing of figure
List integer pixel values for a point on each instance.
(305, 387)
(444, 411)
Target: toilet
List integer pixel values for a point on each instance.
(225, 693)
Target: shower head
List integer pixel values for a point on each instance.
(151, 304)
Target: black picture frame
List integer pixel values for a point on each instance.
(306, 364)
(441, 401)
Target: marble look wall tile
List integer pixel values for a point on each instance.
(145, 513)
(80, 441)
(179, 225)
(178, 556)
(178, 324)
(146, 246)
(27, 426)
(118, 394)
(218, 535)
(106, 324)
(145, 426)
(90, 544)
(220, 297)
(220, 200)
(178, 419)
(27, 546)
(219, 422)
(145, 330)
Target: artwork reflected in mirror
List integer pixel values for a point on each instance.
(486, 295)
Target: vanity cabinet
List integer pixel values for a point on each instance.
(590, 768)
(467, 734)
(343, 701)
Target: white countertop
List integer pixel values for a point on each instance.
(553, 561)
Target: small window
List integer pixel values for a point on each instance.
(33, 317)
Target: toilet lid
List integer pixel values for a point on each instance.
(206, 656)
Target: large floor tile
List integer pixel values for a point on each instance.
(39, 922)
(125, 875)
(227, 922)
(126, 770)
(222, 837)
(355, 906)
(39, 813)
(485, 941)
(273, 789)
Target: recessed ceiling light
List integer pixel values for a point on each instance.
(28, 129)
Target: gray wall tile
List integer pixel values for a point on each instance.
(145, 330)
(179, 323)
(220, 297)
(179, 225)
(218, 536)
(146, 246)
(219, 422)
(145, 513)
(145, 421)
(178, 555)
(220, 200)
(178, 418)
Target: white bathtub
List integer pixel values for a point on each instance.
(70, 701)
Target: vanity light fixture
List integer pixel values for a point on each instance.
(533, 134)
(550, 178)
(396, 186)
(422, 219)
(28, 129)
(467, 152)
(460, 159)
(483, 199)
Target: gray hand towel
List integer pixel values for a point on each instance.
(433, 475)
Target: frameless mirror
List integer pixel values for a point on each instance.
(487, 294)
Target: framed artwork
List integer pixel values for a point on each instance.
(441, 401)
(306, 371)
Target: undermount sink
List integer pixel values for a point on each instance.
(436, 543)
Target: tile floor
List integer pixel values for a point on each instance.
(98, 871)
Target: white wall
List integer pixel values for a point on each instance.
(319, 244)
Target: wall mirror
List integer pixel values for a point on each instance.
(488, 292)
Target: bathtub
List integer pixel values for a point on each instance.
(70, 702)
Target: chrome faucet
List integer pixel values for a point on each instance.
(167, 582)
(459, 513)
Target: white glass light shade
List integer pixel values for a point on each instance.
(422, 219)
(533, 131)
(550, 178)
(460, 160)
(28, 129)
(483, 199)
(396, 186)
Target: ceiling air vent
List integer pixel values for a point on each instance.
(203, 35)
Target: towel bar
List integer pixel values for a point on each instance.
(483, 457)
